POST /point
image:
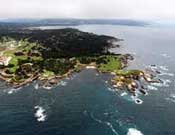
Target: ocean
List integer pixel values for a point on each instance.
(86, 104)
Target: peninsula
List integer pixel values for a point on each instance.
(51, 55)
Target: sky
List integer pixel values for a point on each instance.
(104, 9)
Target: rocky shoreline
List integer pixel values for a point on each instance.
(49, 56)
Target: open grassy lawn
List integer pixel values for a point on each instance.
(112, 64)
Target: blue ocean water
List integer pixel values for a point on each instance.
(85, 104)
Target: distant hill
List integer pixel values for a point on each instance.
(71, 22)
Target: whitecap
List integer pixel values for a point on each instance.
(165, 83)
(152, 87)
(171, 98)
(157, 84)
(164, 68)
(112, 128)
(123, 94)
(168, 81)
(40, 113)
(63, 83)
(113, 89)
(110, 89)
(133, 131)
(104, 122)
(47, 87)
(36, 86)
(168, 74)
(11, 91)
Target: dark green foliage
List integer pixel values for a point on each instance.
(58, 66)
(55, 51)
(65, 42)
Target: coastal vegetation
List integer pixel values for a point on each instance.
(51, 55)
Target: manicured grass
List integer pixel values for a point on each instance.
(14, 62)
(25, 45)
(112, 64)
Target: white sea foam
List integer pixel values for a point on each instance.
(152, 87)
(47, 87)
(110, 89)
(157, 84)
(164, 68)
(40, 113)
(97, 74)
(168, 81)
(123, 94)
(36, 86)
(63, 83)
(133, 131)
(168, 74)
(11, 91)
(112, 128)
(171, 98)
(165, 83)
(105, 122)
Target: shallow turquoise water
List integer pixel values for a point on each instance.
(85, 104)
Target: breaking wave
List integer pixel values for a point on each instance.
(171, 98)
(40, 113)
(164, 68)
(133, 131)
(11, 91)
(36, 86)
(62, 83)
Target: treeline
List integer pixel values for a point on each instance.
(64, 42)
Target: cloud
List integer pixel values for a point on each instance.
(134, 9)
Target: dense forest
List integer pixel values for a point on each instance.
(65, 42)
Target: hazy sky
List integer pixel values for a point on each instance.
(133, 9)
